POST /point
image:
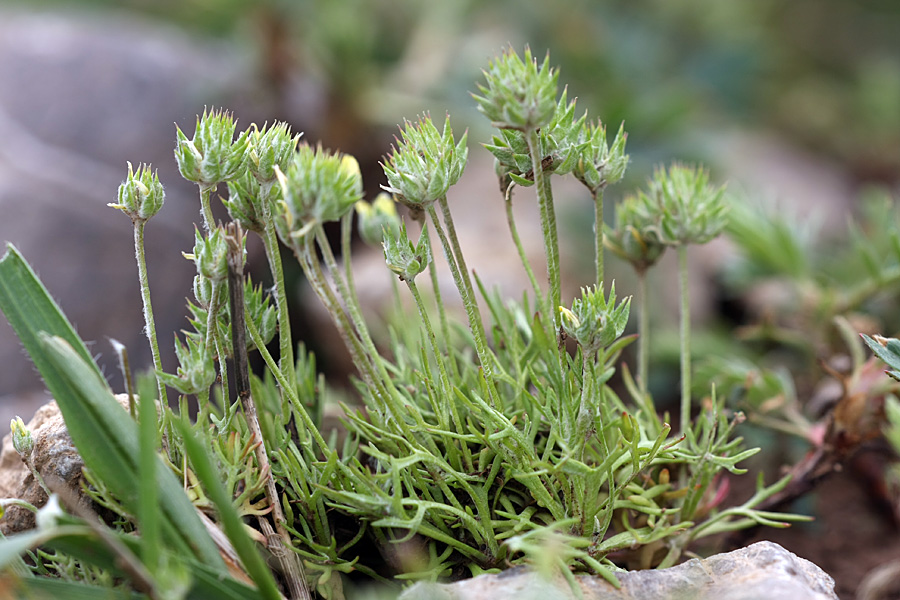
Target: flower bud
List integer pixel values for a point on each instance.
(22, 440)
(141, 195)
(402, 257)
(213, 155)
(518, 94)
(595, 322)
(424, 163)
(375, 217)
(196, 369)
(636, 236)
(598, 165)
(210, 255)
(245, 202)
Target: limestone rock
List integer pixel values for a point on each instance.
(762, 571)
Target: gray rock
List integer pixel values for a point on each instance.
(762, 571)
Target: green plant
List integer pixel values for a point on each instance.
(460, 462)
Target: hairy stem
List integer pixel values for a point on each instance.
(149, 323)
(685, 340)
(514, 232)
(643, 332)
(273, 254)
(598, 234)
(457, 263)
(206, 207)
(548, 227)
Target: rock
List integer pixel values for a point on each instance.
(55, 458)
(762, 571)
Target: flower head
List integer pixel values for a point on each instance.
(210, 255)
(560, 147)
(213, 155)
(594, 321)
(424, 163)
(693, 211)
(636, 236)
(141, 195)
(517, 93)
(374, 218)
(270, 147)
(318, 186)
(599, 164)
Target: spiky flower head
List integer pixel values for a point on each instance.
(693, 211)
(141, 195)
(196, 369)
(594, 321)
(251, 203)
(270, 147)
(402, 257)
(374, 218)
(213, 155)
(210, 255)
(424, 163)
(600, 164)
(560, 147)
(22, 440)
(318, 186)
(636, 236)
(517, 93)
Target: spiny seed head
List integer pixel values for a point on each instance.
(212, 155)
(141, 195)
(517, 93)
(424, 163)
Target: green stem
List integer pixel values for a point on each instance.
(273, 254)
(458, 268)
(351, 301)
(685, 340)
(548, 227)
(149, 323)
(442, 312)
(643, 332)
(214, 341)
(206, 207)
(446, 388)
(598, 233)
(282, 381)
(514, 232)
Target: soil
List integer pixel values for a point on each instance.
(855, 528)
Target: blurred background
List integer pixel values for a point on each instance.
(796, 102)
